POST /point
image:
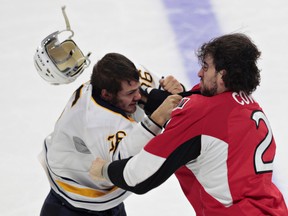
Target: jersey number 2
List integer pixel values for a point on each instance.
(260, 165)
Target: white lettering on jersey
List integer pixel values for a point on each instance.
(145, 78)
(262, 166)
(242, 98)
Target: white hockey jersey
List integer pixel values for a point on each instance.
(88, 128)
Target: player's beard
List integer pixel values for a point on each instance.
(114, 100)
(117, 103)
(209, 91)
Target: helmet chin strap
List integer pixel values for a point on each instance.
(68, 28)
(85, 59)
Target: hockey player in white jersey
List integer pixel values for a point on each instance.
(101, 119)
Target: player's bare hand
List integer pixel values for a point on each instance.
(96, 169)
(171, 84)
(163, 113)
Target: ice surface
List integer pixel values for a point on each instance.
(141, 30)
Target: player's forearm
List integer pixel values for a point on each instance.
(136, 138)
(146, 171)
(138, 174)
(114, 172)
(151, 125)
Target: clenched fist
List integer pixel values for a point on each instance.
(171, 84)
(163, 112)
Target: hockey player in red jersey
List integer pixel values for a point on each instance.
(218, 143)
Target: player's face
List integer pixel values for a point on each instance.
(127, 98)
(209, 78)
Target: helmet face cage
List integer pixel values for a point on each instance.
(60, 62)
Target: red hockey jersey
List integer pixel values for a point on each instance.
(221, 149)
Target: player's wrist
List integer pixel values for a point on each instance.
(158, 117)
(104, 171)
(153, 127)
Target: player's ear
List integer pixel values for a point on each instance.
(220, 79)
(222, 73)
(106, 95)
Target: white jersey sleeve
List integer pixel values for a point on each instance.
(89, 128)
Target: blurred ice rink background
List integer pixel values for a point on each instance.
(160, 34)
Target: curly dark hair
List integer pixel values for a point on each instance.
(110, 71)
(237, 55)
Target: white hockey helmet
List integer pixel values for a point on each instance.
(60, 62)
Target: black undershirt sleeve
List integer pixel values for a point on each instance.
(185, 153)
